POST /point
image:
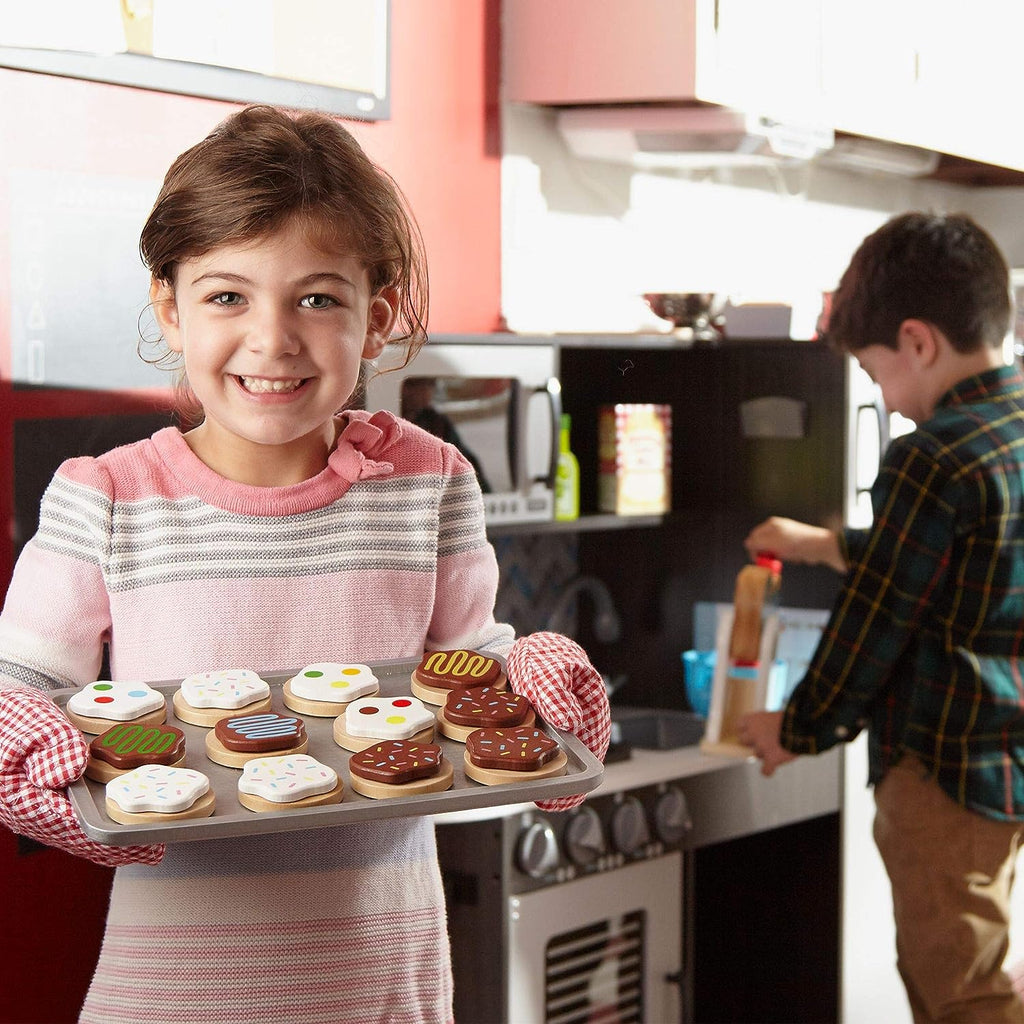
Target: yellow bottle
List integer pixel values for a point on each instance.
(567, 476)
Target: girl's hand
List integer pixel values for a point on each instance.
(760, 731)
(41, 753)
(555, 675)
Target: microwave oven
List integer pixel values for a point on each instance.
(499, 404)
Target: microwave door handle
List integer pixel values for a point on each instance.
(553, 389)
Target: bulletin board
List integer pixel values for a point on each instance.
(330, 55)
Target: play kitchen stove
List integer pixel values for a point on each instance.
(571, 917)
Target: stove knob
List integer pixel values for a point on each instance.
(629, 826)
(537, 850)
(672, 816)
(584, 837)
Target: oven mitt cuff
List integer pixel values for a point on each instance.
(41, 753)
(555, 675)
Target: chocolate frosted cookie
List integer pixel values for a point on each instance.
(234, 741)
(482, 708)
(129, 745)
(442, 671)
(496, 756)
(398, 768)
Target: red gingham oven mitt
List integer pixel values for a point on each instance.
(555, 675)
(41, 753)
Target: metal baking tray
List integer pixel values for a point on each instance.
(583, 773)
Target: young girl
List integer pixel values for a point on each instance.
(276, 532)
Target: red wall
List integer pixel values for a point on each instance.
(441, 144)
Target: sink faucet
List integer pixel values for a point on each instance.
(606, 625)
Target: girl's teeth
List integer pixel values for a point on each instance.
(261, 384)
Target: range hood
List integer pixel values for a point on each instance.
(651, 137)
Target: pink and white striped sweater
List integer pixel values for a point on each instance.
(178, 570)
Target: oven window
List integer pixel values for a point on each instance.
(476, 414)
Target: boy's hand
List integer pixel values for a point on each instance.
(555, 675)
(759, 730)
(41, 753)
(793, 541)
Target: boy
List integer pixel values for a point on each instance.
(925, 643)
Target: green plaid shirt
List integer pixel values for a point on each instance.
(925, 643)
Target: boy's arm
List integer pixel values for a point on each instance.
(793, 541)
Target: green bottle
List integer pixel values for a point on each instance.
(567, 476)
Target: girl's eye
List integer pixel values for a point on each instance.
(317, 301)
(226, 299)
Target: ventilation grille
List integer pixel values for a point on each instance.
(595, 974)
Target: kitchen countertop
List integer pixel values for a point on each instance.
(727, 796)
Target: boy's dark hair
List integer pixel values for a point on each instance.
(942, 269)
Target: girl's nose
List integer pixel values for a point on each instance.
(273, 333)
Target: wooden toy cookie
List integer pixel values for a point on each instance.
(286, 782)
(158, 793)
(100, 705)
(441, 671)
(482, 708)
(325, 689)
(130, 745)
(207, 697)
(234, 741)
(371, 719)
(496, 756)
(399, 768)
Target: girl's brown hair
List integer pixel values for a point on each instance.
(263, 167)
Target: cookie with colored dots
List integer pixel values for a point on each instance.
(158, 793)
(441, 671)
(100, 705)
(326, 688)
(399, 768)
(130, 745)
(286, 782)
(239, 738)
(370, 719)
(496, 756)
(206, 697)
(482, 708)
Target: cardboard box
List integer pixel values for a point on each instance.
(634, 447)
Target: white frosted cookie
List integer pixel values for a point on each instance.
(383, 718)
(325, 688)
(204, 697)
(290, 780)
(156, 792)
(101, 705)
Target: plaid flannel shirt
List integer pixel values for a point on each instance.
(925, 643)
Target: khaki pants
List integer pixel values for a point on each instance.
(951, 872)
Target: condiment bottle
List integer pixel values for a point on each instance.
(567, 476)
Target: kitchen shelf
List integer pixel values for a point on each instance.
(585, 524)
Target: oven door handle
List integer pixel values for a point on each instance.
(553, 389)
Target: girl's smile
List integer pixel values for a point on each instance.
(272, 334)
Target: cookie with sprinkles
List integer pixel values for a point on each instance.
(400, 768)
(482, 708)
(441, 671)
(204, 698)
(496, 756)
(288, 781)
(158, 793)
(235, 740)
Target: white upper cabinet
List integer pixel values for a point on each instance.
(931, 73)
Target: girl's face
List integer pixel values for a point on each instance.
(272, 334)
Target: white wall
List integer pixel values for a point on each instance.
(583, 240)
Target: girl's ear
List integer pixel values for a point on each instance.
(161, 297)
(381, 322)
